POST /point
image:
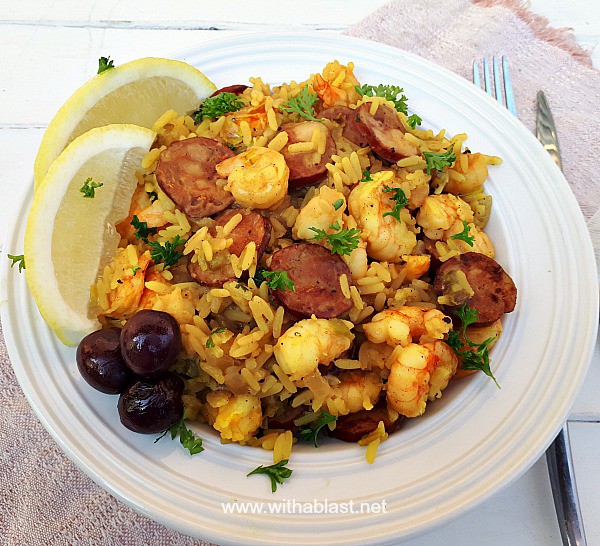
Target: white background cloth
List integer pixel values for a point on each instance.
(50, 48)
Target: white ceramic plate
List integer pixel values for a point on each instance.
(474, 440)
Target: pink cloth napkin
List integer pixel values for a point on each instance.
(46, 500)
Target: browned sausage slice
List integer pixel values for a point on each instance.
(186, 173)
(352, 427)
(316, 273)
(384, 132)
(306, 168)
(237, 89)
(350, 122)
(253, 227)
(495, 292)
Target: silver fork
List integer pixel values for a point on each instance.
(558, 455)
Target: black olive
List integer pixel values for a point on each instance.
(100, 362)
(152, 405)
(150, 342)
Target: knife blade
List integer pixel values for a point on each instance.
(558, 455)
(545, 129)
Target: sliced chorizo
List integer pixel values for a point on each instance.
(236, 89)
(306, 168)
(384, 133)
(350, 122)
(495, 292)
(186, 173)
(316, 273)
(354, 426)
(253, 228)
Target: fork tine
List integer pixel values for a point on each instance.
(497, 81)
(476, 79)
(508, 90)
(487, 78)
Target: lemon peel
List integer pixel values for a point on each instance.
(137, 92)
(70, 238)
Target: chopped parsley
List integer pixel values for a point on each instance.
(215, 107)
(400, 199)
(17, 260)
(89, 188)
(338, 204)
(366, 176)
(142, 230)
(259, 276)
(439, 161)
(388, 92)
(104, 64)
(413, 120)
(303, 104)
(476, 357)
(135, 269)
(310, 433)
(464, 234)
(278, 280)
(276, 472)
(343, 242)
(167, 253)
(210, 342)
(186, 437)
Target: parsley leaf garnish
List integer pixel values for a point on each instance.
(413, 120)
(439, 161)
(210, 342)
(17, 260)
(215, 107)
(142, 229)
(338, 204)
(166, 253)
(135, 269)
(310, 433)
(399, 196)
(259, 276)
(276, 472)
(104, 63)
(89, 188)
(389, 92)
(343, 242)
(302, 104)
(464, 234)
(186, 437)
(278, 280)
(366, 176)
(477, 356)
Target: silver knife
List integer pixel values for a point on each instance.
(558, 455)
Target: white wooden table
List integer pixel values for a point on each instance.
(46, 48)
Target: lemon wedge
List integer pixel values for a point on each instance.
(137, 92)
(69, 237)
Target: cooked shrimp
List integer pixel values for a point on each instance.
(356, 390)
(237, 418)
(400, 326)
(146, 211)
(320, 213)
(441, 216)
(336, 85)
(472, 179)
(311, 342)
(387, 238)
(418, 373)
(257, 178)
(126, 292)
